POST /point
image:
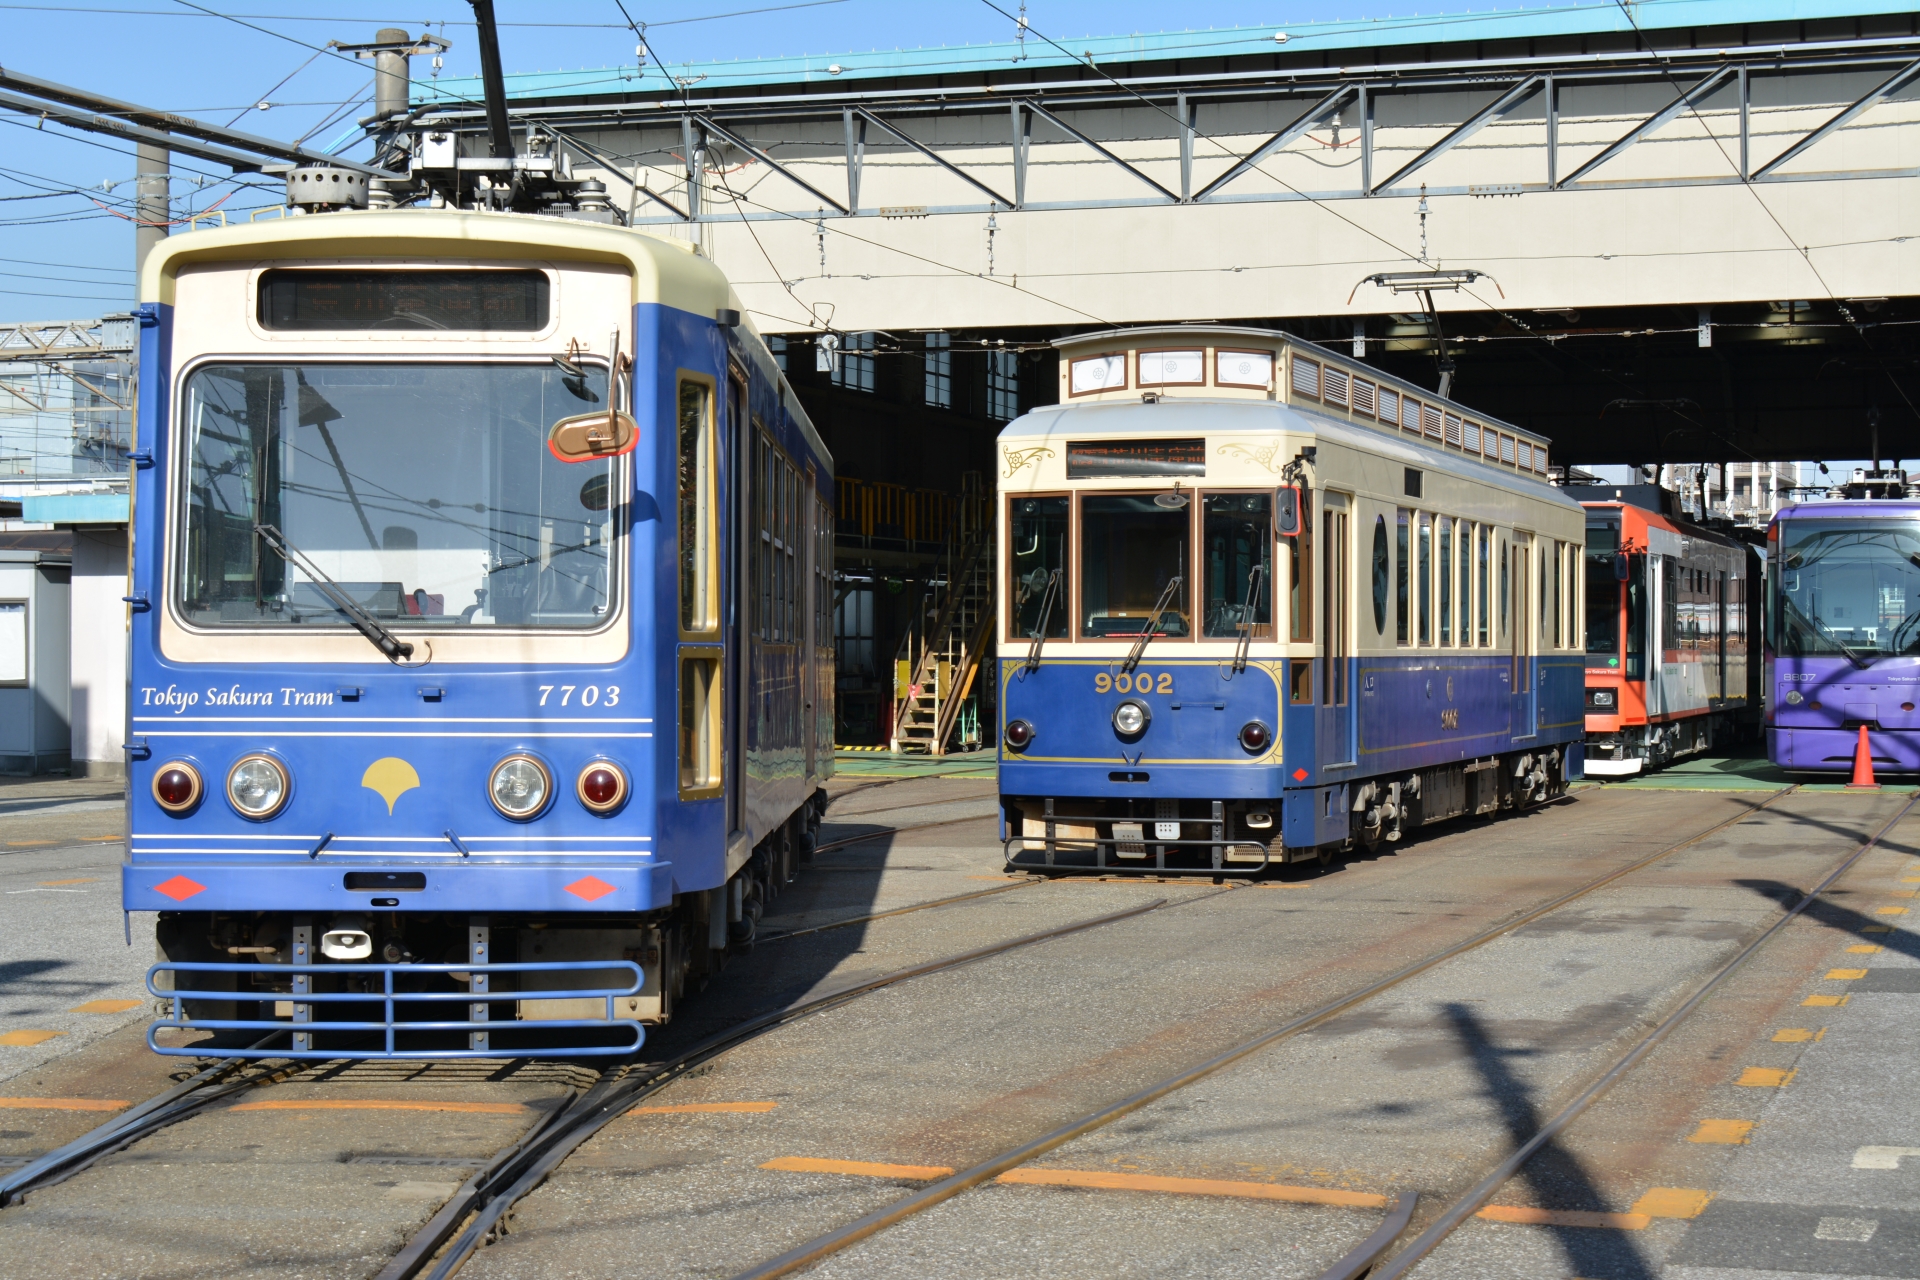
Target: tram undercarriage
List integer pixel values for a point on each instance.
(453, 984)
(1146, 836)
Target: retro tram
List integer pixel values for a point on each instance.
(1260, 604)
(481, 659)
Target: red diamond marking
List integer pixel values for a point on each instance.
(592, 888)
(1299, 775)
(179, 888)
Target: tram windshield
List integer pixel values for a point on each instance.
(1848, 588)
(1037, 550)
(1603, 594)
(425, 491)
(1132, 547)
(1238, 538)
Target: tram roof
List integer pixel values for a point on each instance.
(1476, 26)
(665, 271)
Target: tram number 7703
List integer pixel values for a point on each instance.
(590, 694)
(1140, 682)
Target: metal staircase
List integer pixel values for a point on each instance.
(938, 664)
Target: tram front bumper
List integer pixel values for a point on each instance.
(243, 883)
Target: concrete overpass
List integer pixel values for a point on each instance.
(1674, 229)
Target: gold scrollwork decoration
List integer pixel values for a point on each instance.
(1018, 459)
(1264, 452)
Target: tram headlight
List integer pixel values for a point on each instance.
(1794, 698)
(257, 786)
(602, 786)
(1018, 734)
(1130, 718)
(1255, 737)
(176, 786)
(520, 787)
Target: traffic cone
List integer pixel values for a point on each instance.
(1863, 765)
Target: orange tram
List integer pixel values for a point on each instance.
(1672, 664)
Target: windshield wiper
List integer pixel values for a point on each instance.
(1046, 611)
(365, 623)
(1153, 620)
(1254, 576)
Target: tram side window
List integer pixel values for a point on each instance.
(700, 702)
(1402, 615)
(1484, 536)
(1380, 572)
(1036, 560)
(1426, 579)
(1669, 609)
(1131, 550)
(695, 526)
(1636, 638)
(1446, 581)
(1238, 533)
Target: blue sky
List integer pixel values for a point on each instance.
(66, 247)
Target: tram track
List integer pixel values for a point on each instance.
(1476, 1198)
(222, 1080)
(984, 1172)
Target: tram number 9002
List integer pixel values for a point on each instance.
(1139, 682)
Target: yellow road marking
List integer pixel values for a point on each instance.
(381, 1104)
(27, 1038)
(1823, 1002)
(1910, 879)
(1889, 911)
(106, 1006)
(1797, 1035)
(1672, 1202)
(1104, 1180)
(63, 1104)
(1876, 928)
(703, 1108)
(1903, 893)
(859, 1168)
(1845, 975)
(1865, 948)
(1727, 1133)
(1765, 1078)
(1565, 1217)
(54, 884)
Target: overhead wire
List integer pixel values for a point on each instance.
(1752, 189)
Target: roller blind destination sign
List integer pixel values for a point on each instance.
(1094, 459)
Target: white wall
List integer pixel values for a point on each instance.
(98, 697)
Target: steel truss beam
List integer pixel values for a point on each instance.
(733, 139)
(1899, 80)
(1710, 82)
(1178, 98)
(1493, 110)
(928, 152)
(1303, 122)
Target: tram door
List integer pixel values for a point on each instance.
(739, 520)
(807, 505)
(1336, 595)
(1525, 720)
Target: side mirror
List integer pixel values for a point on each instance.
(1286, 511)
(585, 437)
(1620, 567)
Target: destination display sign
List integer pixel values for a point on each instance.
(1092, 459)
(508, 301)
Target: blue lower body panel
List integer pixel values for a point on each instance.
(373, 1020)
(281, 883)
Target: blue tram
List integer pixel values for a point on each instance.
(1260, 605)
(481, 636)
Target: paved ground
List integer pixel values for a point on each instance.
(1769, 1136)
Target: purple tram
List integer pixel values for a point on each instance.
(1843, 614)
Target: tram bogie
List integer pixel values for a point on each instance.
(482, 653)
(1260, 604)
